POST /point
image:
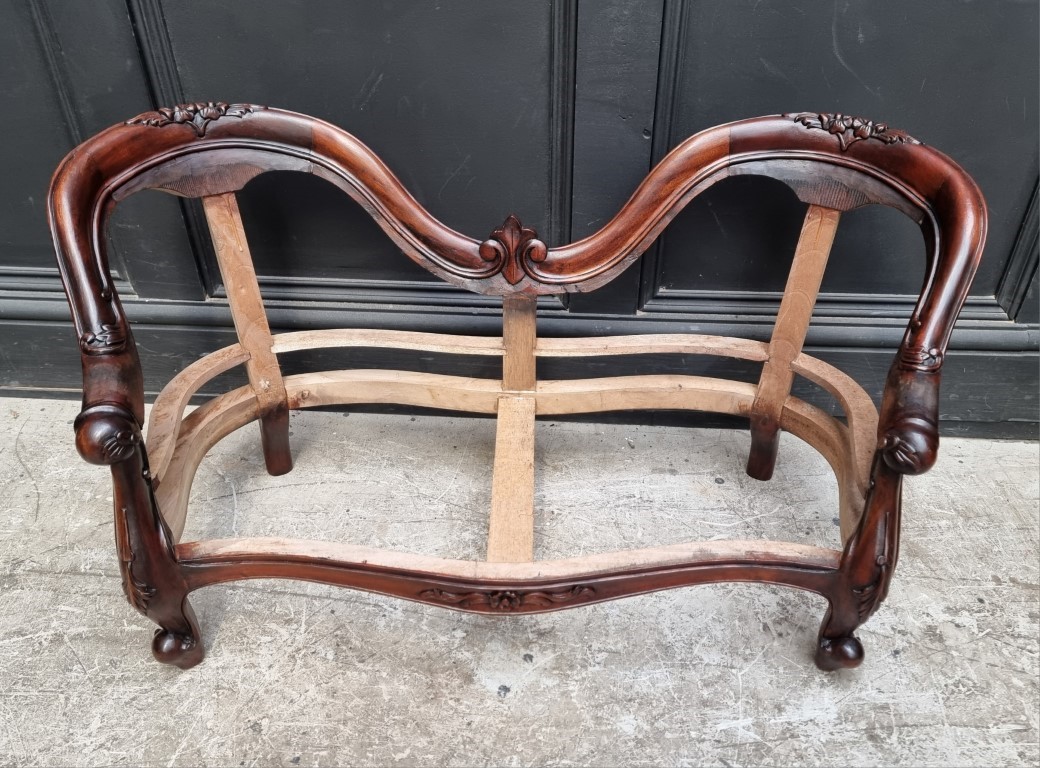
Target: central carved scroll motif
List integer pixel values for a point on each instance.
(511, 247)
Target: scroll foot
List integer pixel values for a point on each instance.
(181, 651)
(180, 642)
(838, 653)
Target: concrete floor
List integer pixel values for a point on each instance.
(302, 675)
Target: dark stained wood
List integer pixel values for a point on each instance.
(473, 595)
(206, 149)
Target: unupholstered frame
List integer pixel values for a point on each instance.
(833, 162)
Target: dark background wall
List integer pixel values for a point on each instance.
(550, 110)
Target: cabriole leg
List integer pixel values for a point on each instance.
(151, 575)
(866, 569)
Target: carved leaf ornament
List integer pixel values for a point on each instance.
(850, 129)
(137, 591)
(109, 337)
(118, 447)
(197, 115)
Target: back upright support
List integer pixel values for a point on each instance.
(834, 163)
(254, 334)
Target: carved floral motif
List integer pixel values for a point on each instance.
(197, 115)
(110, 337)
(511, 246)
(850, 129)
(508, 601)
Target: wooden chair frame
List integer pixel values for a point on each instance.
(834, 163)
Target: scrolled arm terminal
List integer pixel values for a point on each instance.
(107, 434)
(908, 433)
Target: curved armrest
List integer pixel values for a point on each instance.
(955, 233)
(109, 424)
(113, 384)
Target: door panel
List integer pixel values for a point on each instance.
(29, 156)
(936, 69)
(469, 134)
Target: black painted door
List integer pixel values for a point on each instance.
(552, 111)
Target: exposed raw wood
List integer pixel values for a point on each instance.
(851, 462)
(622, 393)
(426, 390)
(518, 338)
(645, 344)
(207, 424)
(591, 346)
(359, 337)
(254, 334)
(862, 417)
(199, 432)
(552, 397)
(247, 308)
(792, 323)
(169, 405)
(511, 524)
(164, 420)
(835, 443)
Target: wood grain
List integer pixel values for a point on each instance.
(792, 323)
(519, 338)
(254, 334)
(443, 343)
(719, 551)
(164, 420)
(649, 343)
(511, 524)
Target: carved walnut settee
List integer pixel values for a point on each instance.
(834, 163)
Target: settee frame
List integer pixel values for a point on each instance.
(833, 162)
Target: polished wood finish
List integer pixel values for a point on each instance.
(834, 163)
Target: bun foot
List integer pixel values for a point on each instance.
(838, 653)
(182, 651)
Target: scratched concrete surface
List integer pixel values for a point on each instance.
(303, 675)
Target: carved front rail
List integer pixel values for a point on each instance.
(834, 163)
